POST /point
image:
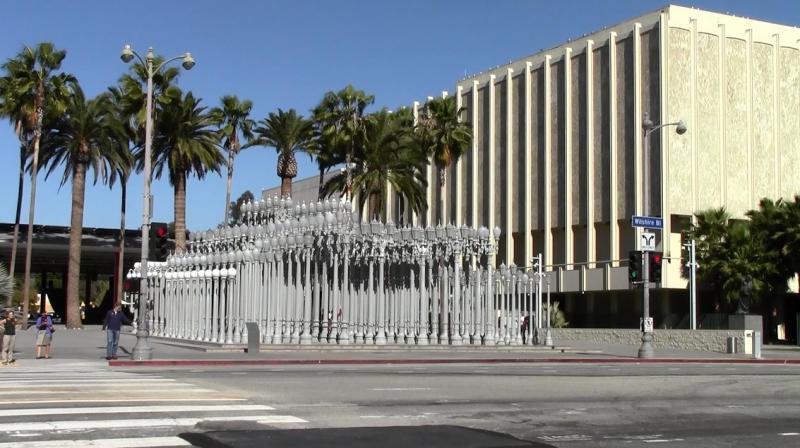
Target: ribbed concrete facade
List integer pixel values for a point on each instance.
(557, 158)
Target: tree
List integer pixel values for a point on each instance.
(123, 166)
(233, 119)
(287, 132)
(388, 155)
(339, 122)
(445, 137)
(38, 84)
(17, 111)
(6, 284)
(82, 138)
(236, 207)
(184, 144)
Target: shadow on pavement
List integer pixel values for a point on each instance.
(384, 437)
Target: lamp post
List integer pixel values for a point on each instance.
(648, 127)
(142, 349)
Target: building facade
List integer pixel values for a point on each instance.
(557, 160)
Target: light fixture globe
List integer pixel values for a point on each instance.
(127, 54)
(681, 128)
(188, 61)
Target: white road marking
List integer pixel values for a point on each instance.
(789, 434)
(94, 391)
(142, 423)
(118, 400)
(139, 442)
(133, 409)
(82, 382)
(662, 440)
(392, 389)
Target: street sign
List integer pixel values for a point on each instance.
(647, 242)
(648, 325)
(650, 222)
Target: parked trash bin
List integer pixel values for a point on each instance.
(757, 345)
(731, 349)
(253, 338)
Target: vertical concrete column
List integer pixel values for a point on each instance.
(458, 178)
(443, 201)
(591, 253)
(415, 218)
(752, 200)
(492, 153)
(613, 229)
(569, 237)
(776, 167)
(430, 172)
(548, 143)
(475, 157)
(527, 225)
(509, 194)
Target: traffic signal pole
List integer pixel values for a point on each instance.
(646, 349)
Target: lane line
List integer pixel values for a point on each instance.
(149, 381)
(138, 442)
(394, 389)
(789, 434)
(54, 392)
(133, 409)
(662, 440)
(142, 423)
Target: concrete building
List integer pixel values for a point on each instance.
(557, 157)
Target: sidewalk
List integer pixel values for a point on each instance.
(89, 343)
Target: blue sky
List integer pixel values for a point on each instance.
(287, 54)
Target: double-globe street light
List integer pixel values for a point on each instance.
(648, 127)
(142, 349)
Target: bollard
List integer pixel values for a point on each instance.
(253, 338)
(756, 345)
(731, 345)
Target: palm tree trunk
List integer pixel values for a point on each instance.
(321, 183)
(75, 235)
(286, 187)
(180, 212)
(13, 263)
(121, 266)
(228, 191)
(26, 282)
(442, 192)
(374, 206)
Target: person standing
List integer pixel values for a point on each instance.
(44, 335)
(113, 322)
(9, 323)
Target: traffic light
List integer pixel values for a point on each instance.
(656, 259)
(635, 266)
(158, 241)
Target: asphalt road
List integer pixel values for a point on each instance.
(547, 404)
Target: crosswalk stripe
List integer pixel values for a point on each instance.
(119, 400)
(13, 384)
(133, 409)
(142, 423)
(183, 389)
(138, 442)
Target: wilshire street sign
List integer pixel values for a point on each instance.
(650, 222)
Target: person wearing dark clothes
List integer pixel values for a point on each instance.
(113, 323)
(9, 323)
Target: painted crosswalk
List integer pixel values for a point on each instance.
(73, 403)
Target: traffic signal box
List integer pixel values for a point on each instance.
(656, 260)
(635, 266)
(159, 234)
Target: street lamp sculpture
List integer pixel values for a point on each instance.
(313, 273)
(142, 349)
(648, 127)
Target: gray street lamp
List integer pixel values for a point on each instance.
(142, 349)
(648, 127)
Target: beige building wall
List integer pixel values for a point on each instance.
(557, 159)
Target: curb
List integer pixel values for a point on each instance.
(281, 362)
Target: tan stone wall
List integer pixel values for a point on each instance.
(699, 340)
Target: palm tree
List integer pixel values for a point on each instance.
(446, 138)
(388, 155)
(82, 138)
(16, 110)
(287, 132)
(184, 144)
(126, 135)
(233, 118)
(37, 83)
(340, 128)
